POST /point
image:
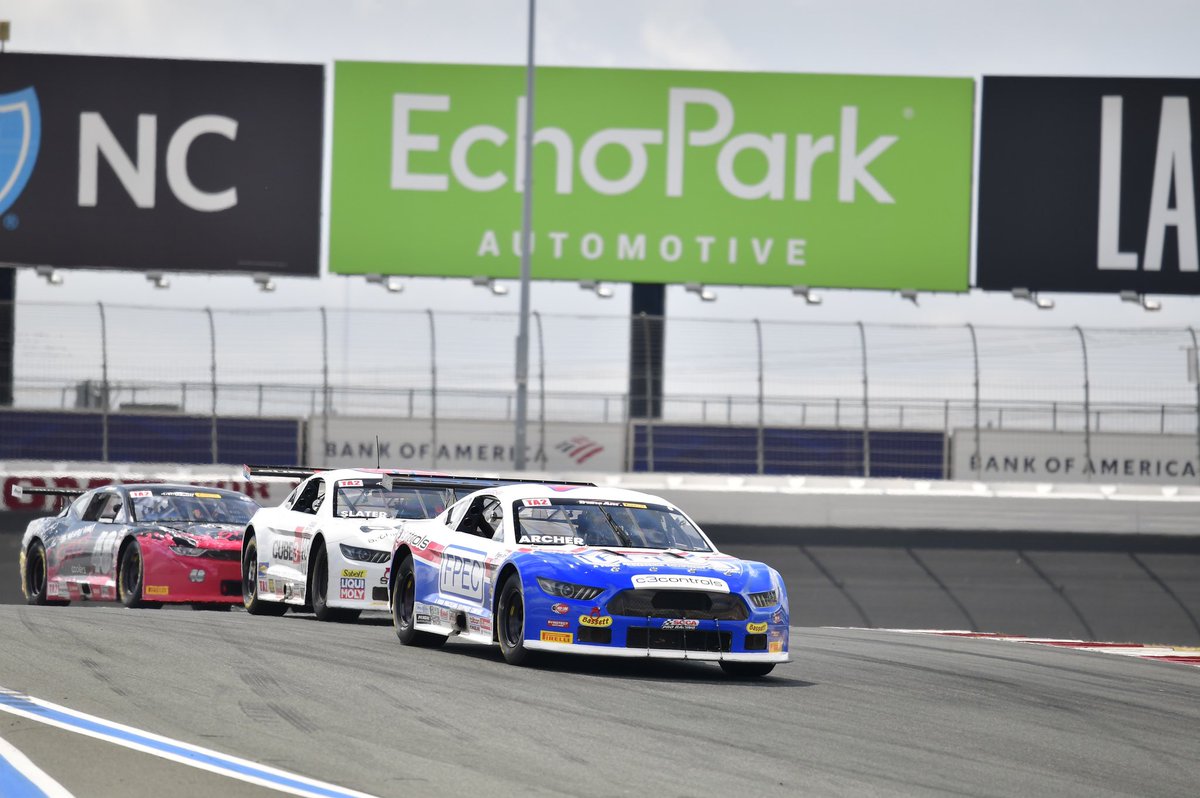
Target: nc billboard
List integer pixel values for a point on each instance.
(653, 176)
(1089, 184)
(135, 163)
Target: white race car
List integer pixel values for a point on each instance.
(328, 546)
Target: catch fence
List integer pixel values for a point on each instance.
(719, 377)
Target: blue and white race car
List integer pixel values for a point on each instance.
(584, 570)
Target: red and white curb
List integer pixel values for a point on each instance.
(1178, 654)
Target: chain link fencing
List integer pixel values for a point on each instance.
(740, 396)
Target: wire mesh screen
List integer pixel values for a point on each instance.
(735, 396)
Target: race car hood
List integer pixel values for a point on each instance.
(657, 568)
(202, 536)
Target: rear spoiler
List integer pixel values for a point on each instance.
(283, 472)
(20, 491)
(400, 478)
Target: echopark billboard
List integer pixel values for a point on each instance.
(1089, 184)
(135, 163)
(653, 176)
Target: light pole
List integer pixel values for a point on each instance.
(526, 216)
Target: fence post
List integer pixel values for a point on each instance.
(324, 383)
(1196, 359)
(975, 357)
(1087, 408)
(212, 344)
(761, 455)
(433, 384)
(103, 383)
(866, 447)
(541, 449)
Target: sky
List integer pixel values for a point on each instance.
(965, 38)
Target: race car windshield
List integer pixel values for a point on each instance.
(199, 507)
(579, 522)
(366, 498)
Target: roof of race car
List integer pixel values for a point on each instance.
(523, 490)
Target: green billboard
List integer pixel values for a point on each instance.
(653, 176)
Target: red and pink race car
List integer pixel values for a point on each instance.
(143, 545)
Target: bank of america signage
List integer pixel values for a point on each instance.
(652, 176)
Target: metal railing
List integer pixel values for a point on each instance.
(318, 362)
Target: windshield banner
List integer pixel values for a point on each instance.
(654, 176)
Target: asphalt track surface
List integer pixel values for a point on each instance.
(1118, 588)
(854, 713)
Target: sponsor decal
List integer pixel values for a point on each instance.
(680, 623)
(775, 647)
(551, 540)
(262, 567)
(208, 495)
(185, 494)
(680, 582)
(416, 541)
(557, 637)
(288, 551)
(352, 585)
(558, 624)
(53, 588)
(271, 586)
(157, 590)
(461, 572)
(350, 483)
(536, 502)
(595, 620)
(756, 628)
(196, 575)
(262, 586)
(777, 617)
(422, 618)
(559, 608)
(140, 494)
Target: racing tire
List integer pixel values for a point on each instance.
(130, 570)
(250, 600)
(318, 591)
(37, 576)
(403, 602)
(510, 623)
(747, 670)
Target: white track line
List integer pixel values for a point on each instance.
(29, 779)
(173, 750)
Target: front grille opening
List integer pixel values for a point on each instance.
(695, 604)
(681, 600)
(678, 639)
(231, 587)
(379, 594)
(222, 554)
(590, 634)
(756, 642)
